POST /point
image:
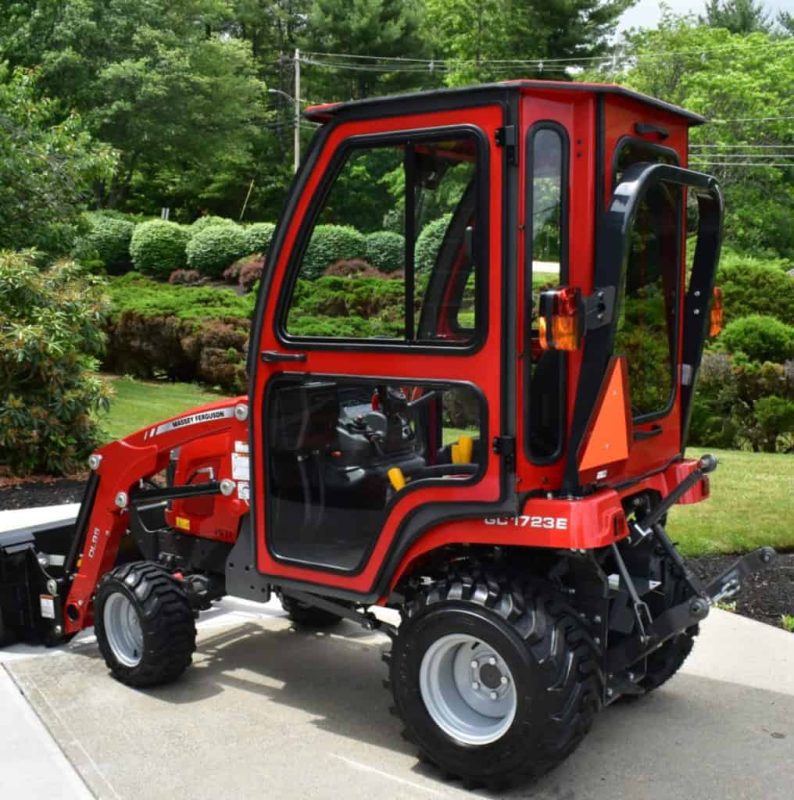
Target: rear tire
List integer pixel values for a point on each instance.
(667, 660)
(144, 624)
(308, 616)
(530, 651)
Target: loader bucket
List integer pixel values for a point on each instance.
(32, 562)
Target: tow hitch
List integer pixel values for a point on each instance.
(654, 632)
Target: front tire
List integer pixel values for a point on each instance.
(495, 683)
(144, 624)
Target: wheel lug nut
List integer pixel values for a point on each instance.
(474, 665)
(475, 685)
(503, 680)
(492, 661)
(494, 695)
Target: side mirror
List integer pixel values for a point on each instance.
(561, 319)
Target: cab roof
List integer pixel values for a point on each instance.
(372, 105)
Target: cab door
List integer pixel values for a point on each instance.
(640, 365)
(378, 382)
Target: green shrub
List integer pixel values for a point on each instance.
(137, 294)
(50, 335)
(329, 244)
(751, 286)
(157, 247)
(340, 306)
(429, 242)
(258, 237)
(207, 221)
(761, 338)
(109, 237)
(215, 247)
(386, 250)
(774, 418)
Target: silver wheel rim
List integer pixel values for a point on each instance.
(468, 689)
(123, 629)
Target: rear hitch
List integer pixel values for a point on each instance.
(654, 632)
(728, 585)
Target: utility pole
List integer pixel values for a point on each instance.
(296, 96)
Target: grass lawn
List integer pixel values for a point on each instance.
(140, 403)
(752, 494)
(751, 504)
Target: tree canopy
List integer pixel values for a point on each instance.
(744, 84)
(195, 97)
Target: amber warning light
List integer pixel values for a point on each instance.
(715, 315)
(560, 321)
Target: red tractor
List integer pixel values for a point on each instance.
(488, 442)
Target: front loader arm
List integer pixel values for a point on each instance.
(117, 472)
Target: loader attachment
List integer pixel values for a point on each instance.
(32, 570)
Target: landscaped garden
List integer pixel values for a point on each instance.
(112, 317)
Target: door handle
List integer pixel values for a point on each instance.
(655, 430)
(271, 356)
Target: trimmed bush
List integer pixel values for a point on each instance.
(140, 295)
(184, 277)
(258, 237)
(108, 236)
(353, 269)
(429, 242)
(215, 247)
(207, 221)
(250, 272)
(157, 247)
(386, 250)
(760, 338)
(751, 286)
(329, 244)
(50, 333)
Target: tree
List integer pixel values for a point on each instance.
(737, 16)
(181, 104)
(391, 28)
(474, 34)
(48, 163)
(744, 83)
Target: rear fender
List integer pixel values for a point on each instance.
(570, 524)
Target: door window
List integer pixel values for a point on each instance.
(546, 259)
(341, 450)
(646, 328)
(395, 250)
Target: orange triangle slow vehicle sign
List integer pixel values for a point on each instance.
(610, 428)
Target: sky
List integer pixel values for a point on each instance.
(648, 12)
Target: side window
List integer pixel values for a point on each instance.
(393, 249)
(546, 258)
(646, 329)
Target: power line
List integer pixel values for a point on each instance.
(747, 119)
(572, 60)
(742, 146)
(764, 165)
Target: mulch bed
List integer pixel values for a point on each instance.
(765, 596)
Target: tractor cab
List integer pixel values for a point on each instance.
(471, 369)
(474, 297)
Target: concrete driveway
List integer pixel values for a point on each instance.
(267, 711)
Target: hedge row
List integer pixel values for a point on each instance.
(210, 245)
(157, 248)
